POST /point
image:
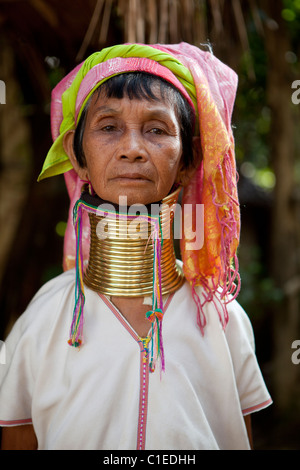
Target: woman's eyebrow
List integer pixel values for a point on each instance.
(159, 113)
(105, 110)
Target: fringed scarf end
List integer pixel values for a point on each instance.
(201, 319)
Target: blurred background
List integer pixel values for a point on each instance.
(42, 40)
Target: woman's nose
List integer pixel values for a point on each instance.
(132, 146)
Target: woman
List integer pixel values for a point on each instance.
(160, 355)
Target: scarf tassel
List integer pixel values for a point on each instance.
(201, 319)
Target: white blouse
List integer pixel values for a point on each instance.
(103, 395)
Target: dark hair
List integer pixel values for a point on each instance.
(139, 85)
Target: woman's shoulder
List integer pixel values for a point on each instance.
(45, 303)
(55, 287)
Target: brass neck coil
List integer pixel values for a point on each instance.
(121, 262)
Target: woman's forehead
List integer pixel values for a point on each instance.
(161, 103)
(155, 93)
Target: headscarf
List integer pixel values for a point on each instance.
(210, 88)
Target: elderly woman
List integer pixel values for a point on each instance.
(130, 348)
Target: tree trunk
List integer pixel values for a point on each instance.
(285, 245)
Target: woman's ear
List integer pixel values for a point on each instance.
(197, 151)
(184, 175)
(69, 149)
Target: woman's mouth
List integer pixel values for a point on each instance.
(132, 177)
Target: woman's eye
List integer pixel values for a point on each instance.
(156, 130)
(108, 128)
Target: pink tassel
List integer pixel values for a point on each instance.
(201, 319)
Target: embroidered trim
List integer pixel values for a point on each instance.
(254, 408)
(16, 422)
(144, 368)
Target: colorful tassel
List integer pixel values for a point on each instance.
(77, 321)
(155, 315)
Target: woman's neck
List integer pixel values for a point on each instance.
(122, 253)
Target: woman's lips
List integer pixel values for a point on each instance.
(132, 177)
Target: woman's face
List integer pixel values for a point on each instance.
(132, 148)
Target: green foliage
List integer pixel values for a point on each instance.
(252, 117)
(258, 294)
(291, 14)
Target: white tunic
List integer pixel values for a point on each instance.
(103, 395)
